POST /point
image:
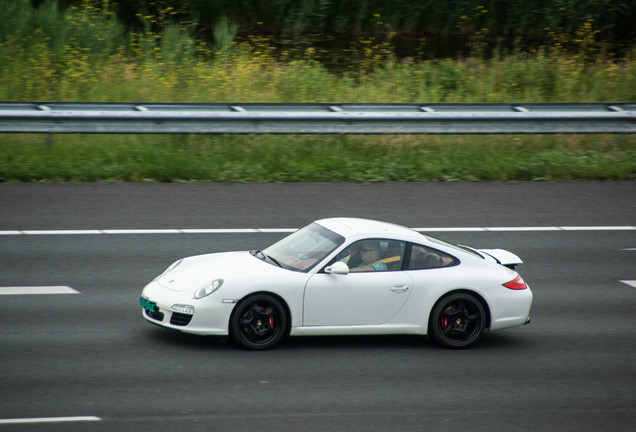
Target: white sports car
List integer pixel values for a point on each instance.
(342, 276)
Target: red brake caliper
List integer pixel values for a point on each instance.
(271, 319)
(444, 322)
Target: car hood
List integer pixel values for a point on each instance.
(501, 256)
(197, 270)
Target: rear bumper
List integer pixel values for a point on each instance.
(509, 308)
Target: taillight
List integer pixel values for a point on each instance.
(516, 284)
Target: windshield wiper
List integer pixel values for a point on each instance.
(261, 256)
(274, 260)
(258, 254)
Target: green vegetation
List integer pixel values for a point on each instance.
(528, 22)
(316, 158)
(87, 53)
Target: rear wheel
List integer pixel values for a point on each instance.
(259, 322)
(458, 320)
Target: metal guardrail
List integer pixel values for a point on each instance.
(316, 118)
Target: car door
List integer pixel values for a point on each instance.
(357, 298)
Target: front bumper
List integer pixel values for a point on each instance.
(211, 314)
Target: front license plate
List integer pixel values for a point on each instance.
(150, 306)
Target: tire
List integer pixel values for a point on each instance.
(259, 322)
(457, 321)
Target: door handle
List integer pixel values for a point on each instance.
(400, 289)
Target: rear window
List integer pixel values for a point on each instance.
(422, 258)
(453, 245)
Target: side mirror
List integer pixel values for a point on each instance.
(338, 268)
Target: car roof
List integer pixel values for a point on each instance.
(353, 227)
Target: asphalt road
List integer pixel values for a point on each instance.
(92, 354)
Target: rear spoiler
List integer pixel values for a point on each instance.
(501, 256)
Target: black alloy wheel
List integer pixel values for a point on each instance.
(258, 322)
(457, 321)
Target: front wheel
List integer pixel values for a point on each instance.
(259, 322)
(457, 321)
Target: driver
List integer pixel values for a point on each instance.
(370, 254)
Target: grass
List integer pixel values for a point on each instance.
(83, 54)
(316, 158)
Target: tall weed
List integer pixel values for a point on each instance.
(83, 54)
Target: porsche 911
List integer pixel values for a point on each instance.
(343, 276)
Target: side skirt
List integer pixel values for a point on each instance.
(357, 330)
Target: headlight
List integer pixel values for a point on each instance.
(208, 288)
(172, 266)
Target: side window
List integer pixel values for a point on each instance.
(427, 258)
(373, 255)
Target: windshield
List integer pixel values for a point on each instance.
(305, 248)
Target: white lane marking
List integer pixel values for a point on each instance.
(458, 229)
(31, 290)
(598, 228)
(219, 231)
(48, 420)
(629, 249)
(141, 231)
(525, 229)
(631, 283)
(288, 230)
(60, 232)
